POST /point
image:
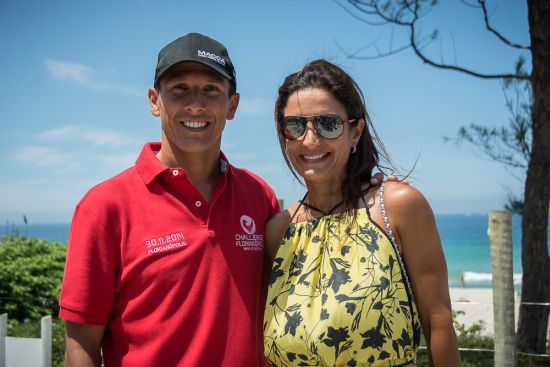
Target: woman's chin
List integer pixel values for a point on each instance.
(317, 175)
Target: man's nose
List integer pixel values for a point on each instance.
(195, 102)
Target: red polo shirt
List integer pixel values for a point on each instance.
(175, 279)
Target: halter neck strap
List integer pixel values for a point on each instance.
(309, 206)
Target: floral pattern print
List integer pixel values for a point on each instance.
(337, 297)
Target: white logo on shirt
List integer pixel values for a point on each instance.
(165, 242)
(249, 241)
(249, 227)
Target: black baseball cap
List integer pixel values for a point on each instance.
(197, 48)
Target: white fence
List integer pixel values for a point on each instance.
(26, 352)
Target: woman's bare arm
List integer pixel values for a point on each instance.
(425, 262)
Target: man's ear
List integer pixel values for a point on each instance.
(154, 100)
(233, 104)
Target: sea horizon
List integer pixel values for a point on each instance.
(463, 236)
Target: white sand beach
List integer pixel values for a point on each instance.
(477, 304)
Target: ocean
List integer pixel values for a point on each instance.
(464, 239)
(466, 248)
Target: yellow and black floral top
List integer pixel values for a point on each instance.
(339, 296)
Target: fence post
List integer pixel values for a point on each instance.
(46, 337)
(500, 237)
(3, 335)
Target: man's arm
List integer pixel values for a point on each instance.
(83, 344)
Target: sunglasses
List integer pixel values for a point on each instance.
(326, 126)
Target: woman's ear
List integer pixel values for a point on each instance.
(357, 130)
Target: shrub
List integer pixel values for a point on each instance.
(31, 272)
(468, 337)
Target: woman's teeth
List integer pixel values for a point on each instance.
(311, 157)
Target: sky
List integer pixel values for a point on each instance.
(75, 77)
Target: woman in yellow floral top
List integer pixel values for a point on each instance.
(357, 271)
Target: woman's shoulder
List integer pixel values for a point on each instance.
(276, 228)
(289, 212)
(403, 193)
(284, 217)
(404, 200)
(279, 221)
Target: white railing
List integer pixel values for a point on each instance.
(26, 352)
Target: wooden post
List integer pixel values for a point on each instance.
(3, 335)
(46, 339)
(500, 237)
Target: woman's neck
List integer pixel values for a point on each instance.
(323, 198)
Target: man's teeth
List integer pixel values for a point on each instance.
(315, 156)
(195, 124)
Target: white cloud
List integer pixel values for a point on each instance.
(40, 156)
(85, 76)
(119, 161)
(76, 73)
(70, 148)
(241, 157)
(57, 134)
(268, 170)
(112, 138)
(255, 106)
(43, 202)
(94, 137)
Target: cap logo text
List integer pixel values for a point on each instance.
(211, 56)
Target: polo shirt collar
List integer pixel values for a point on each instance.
(149, 166)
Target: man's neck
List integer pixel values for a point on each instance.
(202, 169)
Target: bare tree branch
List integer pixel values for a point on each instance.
(406, 15)
(509, 145)
(378, 54)
(429, 61)
(454, 47)
(491, 143)
(495, 32)
(470, 5)
(367, 21)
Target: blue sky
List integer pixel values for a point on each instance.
(75, 76)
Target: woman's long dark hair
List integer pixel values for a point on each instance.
(325, 75)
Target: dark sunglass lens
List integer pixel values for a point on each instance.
(329, 126)
(294, 127)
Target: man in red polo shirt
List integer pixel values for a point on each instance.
(165, 259)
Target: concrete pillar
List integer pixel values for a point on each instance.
(46, 336)
(3, 335)
(500, 237)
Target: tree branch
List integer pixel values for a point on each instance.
(392, 15)
(495, 32)
(379, 55)
(357, 17)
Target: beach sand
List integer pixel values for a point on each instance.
(477, 304)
